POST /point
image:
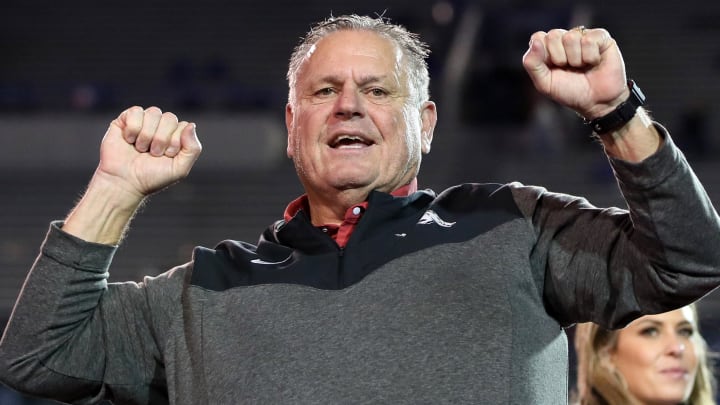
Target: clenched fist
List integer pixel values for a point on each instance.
(579, 68)
(146, 150)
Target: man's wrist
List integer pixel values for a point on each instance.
(621, 115)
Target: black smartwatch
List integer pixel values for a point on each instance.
(621, 115)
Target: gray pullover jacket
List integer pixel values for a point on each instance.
(452, 298)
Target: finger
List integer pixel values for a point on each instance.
(129, 122)
(190, 148)
(555, 47)
(150, 122)
(572, 43)
(173, 146)
(164, 132)
(594, 43)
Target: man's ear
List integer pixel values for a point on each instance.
(428, 116)
(289, 116)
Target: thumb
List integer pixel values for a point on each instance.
(190, 149)
(534, 61)
(129, 123)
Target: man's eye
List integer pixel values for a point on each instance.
(377, 92)
(327, 91)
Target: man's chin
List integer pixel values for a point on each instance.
(351, 180)
(354, 184)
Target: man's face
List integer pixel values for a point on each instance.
(352, 125)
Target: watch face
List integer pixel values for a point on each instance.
(637, 93)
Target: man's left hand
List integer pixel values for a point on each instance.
(579, 68)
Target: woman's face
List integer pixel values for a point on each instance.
(656, 354)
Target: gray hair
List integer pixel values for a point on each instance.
(414, 50)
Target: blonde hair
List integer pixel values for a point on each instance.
(599, 384)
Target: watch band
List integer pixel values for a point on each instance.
(621, 115)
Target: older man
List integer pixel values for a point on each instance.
(368, 290)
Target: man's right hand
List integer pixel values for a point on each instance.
(144, 151)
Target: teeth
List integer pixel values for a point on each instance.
(349, 141)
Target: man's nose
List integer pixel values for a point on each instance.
(349, 104)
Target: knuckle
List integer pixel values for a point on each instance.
(169, 116)
(556, 33)
(570, 37)
(153, 110)
(133, 125)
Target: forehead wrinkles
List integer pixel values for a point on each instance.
(333, 50)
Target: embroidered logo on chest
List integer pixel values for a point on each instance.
(431, 217)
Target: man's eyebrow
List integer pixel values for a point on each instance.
(363, 80)
(372, 79)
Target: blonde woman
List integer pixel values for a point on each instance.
(656, 359)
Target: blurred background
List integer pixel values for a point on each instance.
(68, 68)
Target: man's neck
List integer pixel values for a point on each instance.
(330, 208)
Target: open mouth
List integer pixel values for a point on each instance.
(349, 142)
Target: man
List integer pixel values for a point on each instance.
(368, 291)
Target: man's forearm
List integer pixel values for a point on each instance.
(103, 213)
(634, 142)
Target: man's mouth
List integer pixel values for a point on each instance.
(350, 142)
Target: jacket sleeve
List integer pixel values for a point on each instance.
(613, 265)
(76, 338)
